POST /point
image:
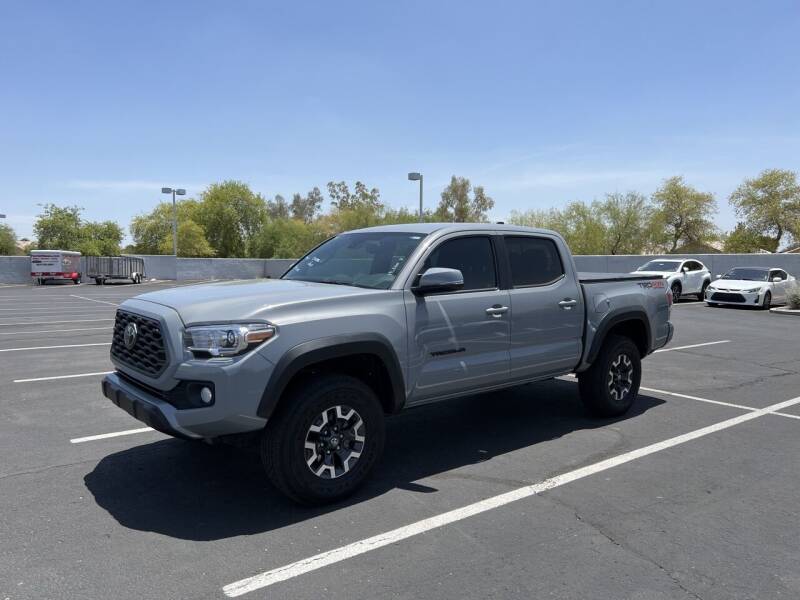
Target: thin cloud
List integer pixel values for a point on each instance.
(125, 185)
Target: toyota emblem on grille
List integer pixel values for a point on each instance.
(131, 332)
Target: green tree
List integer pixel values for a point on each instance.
(278, 208)
(287, 238)
(231, 215)
(627, 220)
(361, 199)
(457, 206)
(744, 239)
(152, 232)
(192, 241)
(8, 240)
(580, 224)
(305, 208)
(58, 227)
(770, 204)
(100, 239)
(683, 214)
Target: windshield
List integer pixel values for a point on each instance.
(370, 260)
(660, 265)
(747, 274)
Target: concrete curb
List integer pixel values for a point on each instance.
(791, 312)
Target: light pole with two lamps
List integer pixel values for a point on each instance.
(179, 192)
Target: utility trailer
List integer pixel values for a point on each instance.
(103, 268)
(55, 265)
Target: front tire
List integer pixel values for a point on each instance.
(767, 301)
(610, 386)
(702, 295)
(324, 439)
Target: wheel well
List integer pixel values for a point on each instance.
(368, 368)
(677, 283)
(634, 330)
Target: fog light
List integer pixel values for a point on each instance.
(206, 395)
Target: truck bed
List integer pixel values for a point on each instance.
(609, 277)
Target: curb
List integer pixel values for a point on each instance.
(785, 311)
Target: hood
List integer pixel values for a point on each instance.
(737, 284)
(242, 300)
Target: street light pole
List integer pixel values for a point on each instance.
(418, 177)
(179, 192)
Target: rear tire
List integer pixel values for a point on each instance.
(324, 439)
(610, 386)
(676, 291)
(702, 295)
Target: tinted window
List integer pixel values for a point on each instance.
(660, 265)
(473, 256)
(693, 266)
(534, 261)
(753, 274)
(370, 260)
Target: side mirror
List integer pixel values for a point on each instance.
(685, 270)
(437, 279)
(777, 279)
(719, 276)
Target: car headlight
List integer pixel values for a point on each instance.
(752, 290)
(227, 339)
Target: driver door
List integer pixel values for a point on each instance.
(459, 341)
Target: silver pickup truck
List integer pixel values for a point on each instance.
(372, 322)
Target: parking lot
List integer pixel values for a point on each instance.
(517, 494)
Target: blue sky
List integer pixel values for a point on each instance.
(102, 103)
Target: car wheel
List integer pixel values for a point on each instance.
(712, 304)
(767, 301)
(324, 439)
(610, 386)
(77, 281)
(676, 291)
(702, 294)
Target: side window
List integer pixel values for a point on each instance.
(533, 261)
(473, 256)
(692, 265)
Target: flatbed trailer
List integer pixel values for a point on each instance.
(103, 268)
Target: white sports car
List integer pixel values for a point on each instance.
(684, 276)
(753, 286)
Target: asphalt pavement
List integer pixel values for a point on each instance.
(516, 494)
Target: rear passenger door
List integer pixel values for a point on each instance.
(547, 308)
(458, 341)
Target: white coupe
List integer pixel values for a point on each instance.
(684, 277)
(753, 286)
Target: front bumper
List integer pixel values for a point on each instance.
(149, 410)
(734, 297)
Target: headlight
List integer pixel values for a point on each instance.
(226, 339)
(752, 290)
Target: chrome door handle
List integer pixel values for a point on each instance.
(497, 311)
(567, 303)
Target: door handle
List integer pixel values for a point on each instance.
(496, 310)
(567, 303)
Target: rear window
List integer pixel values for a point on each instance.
(533, 261)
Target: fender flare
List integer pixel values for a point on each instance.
(338, 346)
(615, 318)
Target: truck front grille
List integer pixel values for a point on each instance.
(726, 297)
(148, 353)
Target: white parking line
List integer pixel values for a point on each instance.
(51, 322)
(330, 557)
(105, 436)
(93, 300)
(54, 347)
(61, 377)
(106, 328)
(720, 403)
(692, 346)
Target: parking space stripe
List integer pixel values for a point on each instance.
(330, 557)
(105, 436)
(54, 347)
(61, 377)
(692, 346)
(728, 404)
(52, 322)
(93, 300)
